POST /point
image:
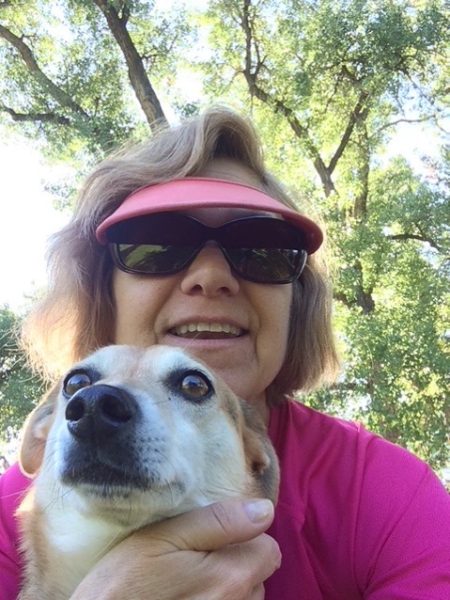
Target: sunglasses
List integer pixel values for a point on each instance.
(258, 248)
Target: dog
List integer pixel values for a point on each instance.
(129, 437)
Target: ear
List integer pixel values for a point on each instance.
(261, 458)
(35, 432)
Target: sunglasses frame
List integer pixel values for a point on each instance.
(213, 234)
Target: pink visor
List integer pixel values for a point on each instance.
(197, 192)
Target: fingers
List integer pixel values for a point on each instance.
(215, 526)
(228, 553)
(238, 571)
(215, 552)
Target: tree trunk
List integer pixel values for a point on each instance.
(137, 74)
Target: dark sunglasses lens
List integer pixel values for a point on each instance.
(260, 249)
(158, 244)
(267, 265)
(264, 250)
(153, 259)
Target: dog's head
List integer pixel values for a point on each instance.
(152, 431)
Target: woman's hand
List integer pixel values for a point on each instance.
(217, 552)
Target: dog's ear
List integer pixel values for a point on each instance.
(35, 432)
(261, 458)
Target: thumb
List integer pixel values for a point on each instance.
(214, 526)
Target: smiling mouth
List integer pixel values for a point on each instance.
(207, 331)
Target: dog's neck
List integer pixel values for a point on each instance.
(73, 536)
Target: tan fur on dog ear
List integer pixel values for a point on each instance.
(35, 431)
(261, 458)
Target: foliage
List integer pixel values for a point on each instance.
(64, 76)
(331, 69)
(327, 83)
(20, 389)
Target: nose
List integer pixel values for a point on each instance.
(210, 274)
(99, 412)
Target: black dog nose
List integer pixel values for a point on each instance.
(100, 411)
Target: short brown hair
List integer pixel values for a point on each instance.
(77, 314)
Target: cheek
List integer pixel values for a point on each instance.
(137, 301)
(275, 324)
(279, 310)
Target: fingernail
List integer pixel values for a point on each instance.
(258, 510)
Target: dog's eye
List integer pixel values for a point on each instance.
(195, 385)
(76, 381)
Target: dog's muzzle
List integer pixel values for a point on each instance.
(99, 412)
(102, 421)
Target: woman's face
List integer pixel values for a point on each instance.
(237, 327)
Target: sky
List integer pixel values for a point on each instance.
(27, 218)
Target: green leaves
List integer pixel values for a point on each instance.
(391, 284)
(20, 389)
(70, 74)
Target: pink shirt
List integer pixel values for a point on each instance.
(357, 517)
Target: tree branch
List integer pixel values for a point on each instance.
(397, 121)
(45, 82)
(414, 236)
(40, 117)
(139, 80)
(361, 297)
(125, 13)
(343, 298)
(245, 24)
(363, 166)
(359, 113)
(277, 105)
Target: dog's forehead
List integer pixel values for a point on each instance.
(167, 358)
(158, 360)
(163, 360)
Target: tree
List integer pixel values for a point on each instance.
(66, 67)
(20, 389)
(327, 83)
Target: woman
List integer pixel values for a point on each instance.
(178, 241)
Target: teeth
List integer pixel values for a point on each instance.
(211, 327)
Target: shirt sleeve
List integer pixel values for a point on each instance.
(13, 486)
(402, 549)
